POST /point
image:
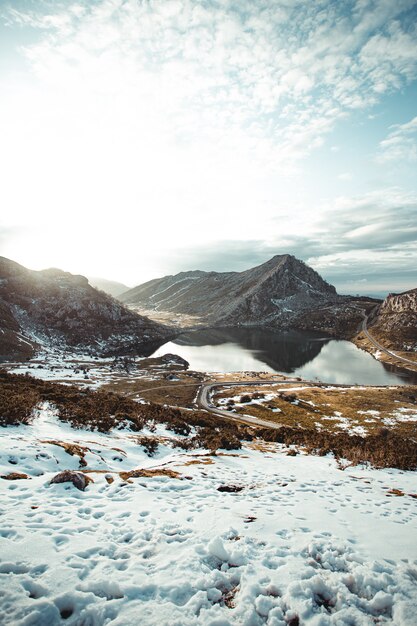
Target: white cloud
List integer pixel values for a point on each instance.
(401, 143)
(181, 120)
(221, 66)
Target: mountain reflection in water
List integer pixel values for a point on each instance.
(301, 353)
(281, 352)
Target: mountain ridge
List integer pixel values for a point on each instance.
(53, 308)
(281, 293)
(112, 287)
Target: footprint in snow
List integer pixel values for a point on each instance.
(84, 510)
(9, 533)
(59, 540)
(34, 589)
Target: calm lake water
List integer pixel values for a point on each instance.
(306, 354)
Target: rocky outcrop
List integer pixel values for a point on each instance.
(52, 308)
(78, 479)
(283, 293)
(403, 303)
(395, 322)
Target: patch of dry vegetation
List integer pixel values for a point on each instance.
(328, 407)
(15, 476)
(103, 410)
(381, 449)
(16, 401)
(73, 449)
(160, 389)
(150, 473)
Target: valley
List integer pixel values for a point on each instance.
(208, 313)
(254, 456)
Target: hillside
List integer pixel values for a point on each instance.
(112, 287)
(395, 322)
(52, 308)
(283, 292)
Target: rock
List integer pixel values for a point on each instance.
(78, 479)
(175, 359)
(230, 488)
(395, 322)
(15, 476)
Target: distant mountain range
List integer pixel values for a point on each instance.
(55, 309)
(284, 292)
(52, 308)
(112, 287)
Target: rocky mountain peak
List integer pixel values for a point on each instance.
(400, 302)
(281, 287)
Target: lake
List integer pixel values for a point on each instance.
(300, 353)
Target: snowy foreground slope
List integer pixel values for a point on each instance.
(302, 542)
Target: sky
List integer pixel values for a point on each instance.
(141, 138)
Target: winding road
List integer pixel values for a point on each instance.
(204, 402)
(380, 347)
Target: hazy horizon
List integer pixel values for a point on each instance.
(141, 139)
(102, 279)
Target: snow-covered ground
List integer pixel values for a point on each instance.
(83, 370)
(302, 542)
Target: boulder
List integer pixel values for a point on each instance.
(78, 479)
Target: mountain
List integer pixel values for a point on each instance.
(284, 292)
(395, 321)
(52, 308)
(112, 287)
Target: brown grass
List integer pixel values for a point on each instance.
(381, 449)
(150, 473)
(103, 410)
(180, 392)
(14, 476)
(202, 461)
(72, 449)
(296, 410)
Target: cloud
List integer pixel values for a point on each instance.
(371, 236)
(273, 76)
(147, 126)
(401, 143)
